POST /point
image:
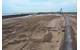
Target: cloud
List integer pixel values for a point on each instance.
(13, 6)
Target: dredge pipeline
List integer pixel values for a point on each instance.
(69, 42)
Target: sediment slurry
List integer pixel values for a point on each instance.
(33, 33)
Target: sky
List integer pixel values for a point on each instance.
(10, 7)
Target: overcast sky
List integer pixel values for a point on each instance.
(24, 6)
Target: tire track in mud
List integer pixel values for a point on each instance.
(45, 39)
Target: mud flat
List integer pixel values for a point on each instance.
(44, 32)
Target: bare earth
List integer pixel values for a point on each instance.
(38, 32)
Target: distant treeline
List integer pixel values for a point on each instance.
(16, 15)
(57, 12)
(21, 15)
